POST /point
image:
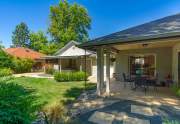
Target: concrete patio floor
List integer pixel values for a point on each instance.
(134, 107)
(163, 95)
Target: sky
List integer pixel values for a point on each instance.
(107, 16)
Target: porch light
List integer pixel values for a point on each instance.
(113, 59)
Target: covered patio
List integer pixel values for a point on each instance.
(150, 50)
(144, 55)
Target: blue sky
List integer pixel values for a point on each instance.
(108, 16)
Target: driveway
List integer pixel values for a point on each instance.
(130, 112)
(35, 75)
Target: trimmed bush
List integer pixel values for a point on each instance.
(70, 76)
(49, 70)
(22, 65)
(5, 72)
(5, 60)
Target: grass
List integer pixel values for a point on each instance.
(49, 91)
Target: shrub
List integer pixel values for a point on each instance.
(70, 76)
(16, 104)
(5, 72)
(166, 121)
(5, 60)
(22, 65)
(49, 70)
(56, 114)
(176, 89)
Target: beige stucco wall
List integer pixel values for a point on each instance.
(176, 50)
(163, 60)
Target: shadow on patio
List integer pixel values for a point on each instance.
(163, 95)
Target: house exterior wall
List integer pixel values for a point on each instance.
(176, 50)
(94, 67)
(163, 60)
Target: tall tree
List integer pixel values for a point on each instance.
(69, 22)
(20, 37)
(38, 40)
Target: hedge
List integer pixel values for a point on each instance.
(5, 72)
(70, 76)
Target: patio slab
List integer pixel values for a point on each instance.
(102, 118)
(141, 110)
(131, 120)
(128, 112)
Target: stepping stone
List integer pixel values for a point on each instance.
(131, 120)
(123, 117)
(101, 118)
(141, 110)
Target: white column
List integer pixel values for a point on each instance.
(60, 65)
(44, 66)
(100, 70)
(80, 67)
(108, 72)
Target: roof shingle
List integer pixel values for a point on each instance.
(22, 52)
(167, 26)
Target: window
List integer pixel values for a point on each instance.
(142, 65)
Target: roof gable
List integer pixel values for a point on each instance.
(71, 49)
(66, 47)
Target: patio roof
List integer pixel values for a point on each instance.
(167, 27)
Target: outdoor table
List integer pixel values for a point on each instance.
(143, 81)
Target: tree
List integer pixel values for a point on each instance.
(1, 45)
(50, 48)
(69, 22)
(38, 40)
(20, 37)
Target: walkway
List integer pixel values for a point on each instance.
(35, 75)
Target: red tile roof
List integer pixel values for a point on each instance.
(22, 52)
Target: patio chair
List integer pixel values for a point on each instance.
(141, 82)
(127, 80)
(153, 82)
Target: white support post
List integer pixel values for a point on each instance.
(44, 66)
(60, 69)
(80, 67)
(108, 72)
(100, 70)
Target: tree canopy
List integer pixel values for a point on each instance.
(37, 40)
(69, 22)
(20, 37)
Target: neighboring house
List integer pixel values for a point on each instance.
(26, 53)
(149, 49)
(72, 58)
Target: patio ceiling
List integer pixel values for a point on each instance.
(143, 45)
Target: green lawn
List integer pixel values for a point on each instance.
(49, 91)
